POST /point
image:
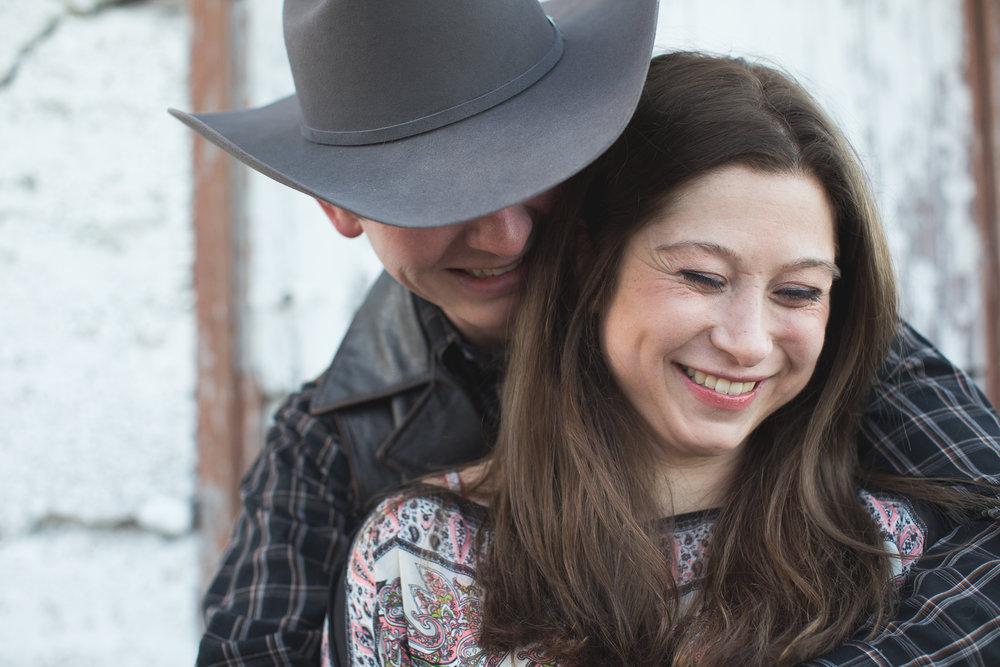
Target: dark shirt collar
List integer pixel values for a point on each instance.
(478, 371)
(445, 338)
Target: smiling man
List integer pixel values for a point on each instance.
(438, 130)
(472, 270)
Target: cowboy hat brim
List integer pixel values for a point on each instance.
(483, 163)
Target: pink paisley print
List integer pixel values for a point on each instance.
(412, 597)
(899, 528)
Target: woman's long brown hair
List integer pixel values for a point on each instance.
(575, 562)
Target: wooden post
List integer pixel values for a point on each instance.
(226, 396)
(983, 39)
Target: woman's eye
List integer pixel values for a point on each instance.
(798, 295)
(703, 279)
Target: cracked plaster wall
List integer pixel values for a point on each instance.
(97, 414)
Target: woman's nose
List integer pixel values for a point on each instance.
(744, 332)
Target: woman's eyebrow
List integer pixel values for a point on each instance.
(707, 246)
(810, 262)
(729, 253)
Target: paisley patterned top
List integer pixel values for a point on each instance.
(411, 593)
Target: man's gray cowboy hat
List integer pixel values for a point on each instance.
(421, 114)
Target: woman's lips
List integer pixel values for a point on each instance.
(721, 393)
(719, 385)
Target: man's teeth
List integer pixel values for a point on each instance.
(721, 385)
(490, 273)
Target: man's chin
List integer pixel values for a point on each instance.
(488, 332)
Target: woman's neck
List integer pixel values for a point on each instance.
(694, 485)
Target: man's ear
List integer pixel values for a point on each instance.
(345, 222)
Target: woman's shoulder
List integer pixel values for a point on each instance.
(430, 519)
(413, 558)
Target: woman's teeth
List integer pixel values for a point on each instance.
(720, 385)
(492, 273)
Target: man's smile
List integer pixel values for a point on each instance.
(492, 273)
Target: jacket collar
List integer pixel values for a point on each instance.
(385, 351)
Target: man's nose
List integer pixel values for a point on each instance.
(744, 332)
(504, 233)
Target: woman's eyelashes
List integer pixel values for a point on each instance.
(790, 295)
(799, 294)
(703, 280)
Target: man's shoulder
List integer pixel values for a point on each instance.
(384, 352)
(396, 412)
(364, 366)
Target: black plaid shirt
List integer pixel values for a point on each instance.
(268, 601)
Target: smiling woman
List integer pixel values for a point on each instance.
(719, 313)
(676, 478)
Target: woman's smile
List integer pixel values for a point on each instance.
(720, 393)
(720, 309)
(720, 385)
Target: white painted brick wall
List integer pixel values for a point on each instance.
(97, 552)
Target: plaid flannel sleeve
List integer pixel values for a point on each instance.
(928, 418)
(950, 609)
(268, 600)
